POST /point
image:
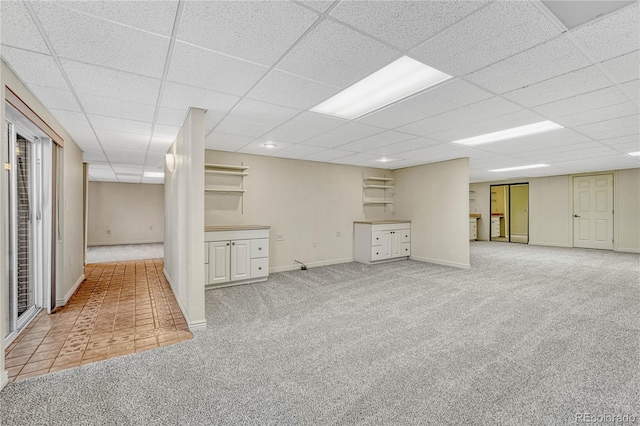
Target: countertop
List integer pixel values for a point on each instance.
(234, 228)
(381, 222)
(475, 216)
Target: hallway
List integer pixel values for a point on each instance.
(119, 309)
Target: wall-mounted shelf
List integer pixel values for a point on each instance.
(376, 187)
(225, 179)
(378, 202)
(380, 179)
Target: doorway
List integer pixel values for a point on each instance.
(29, 203)
(510, 213)
(593, 211)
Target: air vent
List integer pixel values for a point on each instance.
(576, 13)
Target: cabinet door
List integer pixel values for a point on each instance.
(240, 260)
(396, 238)
(219, 262)
(386, 245)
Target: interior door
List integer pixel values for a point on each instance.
(593, 211)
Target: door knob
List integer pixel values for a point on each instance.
(575, 215)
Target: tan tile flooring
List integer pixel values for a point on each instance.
(119, 309)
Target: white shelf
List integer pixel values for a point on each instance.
(224, 172)
(380, 179)
(240, 191)
(225, 166)
(379, 186)
(378, 202)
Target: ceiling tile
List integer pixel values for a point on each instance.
(122, 125)
(551, 59)
(209, 70)
(299, 151)
(355, 159)
(253, 30)
(341, 135)
(490, 35)
(242, 128)
(93, 156)
(286, 134)
(183, 97)
(556, 153)
(55, 98)
(445, 97)
(616, 123)
(128, 179)
(391, 117)
(153, 16)
(257, 147)
(600, 114)
(623, 140)
(611, 36)
(428, 126)
(262, 112)
(581, 103)
(336, 55)
(165, 131)
(613, 132)
(483, 110)
(76, 124)
(226, 142)
(112, 83)
(99, 105)
(172, 116)
(405, 146)
(121, 140)
(508, 121)
(318, 5)
(158, 147)
(291, 91)
(376, 141)
(403, 24)
(313, 122)
(125, 156)
(34, 68)
(128, 168)
(632, 89)
(612, 162)
(549, 140)
(99, 42)
(623, 68)
(17, 28)
(328, 155)
(564, 86)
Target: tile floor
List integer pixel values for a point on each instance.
(119, 309)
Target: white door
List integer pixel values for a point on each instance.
(386, 245)
(396, 237)
(240, 260)
(593, 211)
(219, 262)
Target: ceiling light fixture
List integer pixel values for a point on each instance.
(516, 132)
(269, 145)
(386, 159)
(634, 154)
(401, 78)
(154, 174)
(509, 169)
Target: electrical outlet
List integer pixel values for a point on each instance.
(315, 244)
(279, 237)
(338, 235)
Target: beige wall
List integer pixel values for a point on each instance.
(125, 213)
(71, 249)
(435, 197)
(184, 220)
(304, 201)
(551, 210)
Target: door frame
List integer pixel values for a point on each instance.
(509, 185)
(615, 205)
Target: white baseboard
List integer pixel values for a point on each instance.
(542, 243)
(310, 265)
(4, 379)
(193, 325)
(628, 250)
(441, 262)
(70, 293)
(123, 243)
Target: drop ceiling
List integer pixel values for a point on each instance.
(121, 75)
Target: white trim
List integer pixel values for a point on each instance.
(310, 265)
(441, 262)
(123, 243)
(71, 292)
(234, 283)
(542, 243)
(193, 326)
(627, 250)
(4, 379)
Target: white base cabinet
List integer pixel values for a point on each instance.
(236, 256)
(380, 241)
(473, 229)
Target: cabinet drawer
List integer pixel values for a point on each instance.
(206, 253)
(260, 248)
(259, 267)
(376, 238)
(405, 249)
(405, 235)
(377, 253)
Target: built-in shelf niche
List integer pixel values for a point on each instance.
(226, 180)
(377, 190)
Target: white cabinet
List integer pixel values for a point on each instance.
(382, 241)
(236, 255)
(495, 227)
(473, 229)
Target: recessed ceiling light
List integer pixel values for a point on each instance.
(516, 132)
(269, 145)
(634, 154)
(386, 159)
(401, 78)
(509, 169)
(154, 174)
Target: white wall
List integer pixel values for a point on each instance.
(71, 250)
(305, 201)
(125, 213)
(435, 197)
(551, 209)
(184, 220)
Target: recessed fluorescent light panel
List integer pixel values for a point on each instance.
(510, 169)
(154, 174)
(386, 159)
(396, 81)
(516, 132)
(634, 154)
